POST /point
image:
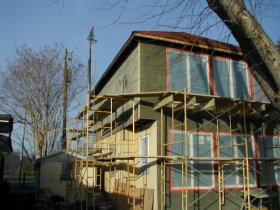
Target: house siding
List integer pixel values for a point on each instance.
(144, 70)
(50, 179)
(125, 79)
(152, 68)
(153, 71)
(145, 176)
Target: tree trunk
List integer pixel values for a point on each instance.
(258, 49)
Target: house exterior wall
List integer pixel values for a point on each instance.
(126, 78)
(149, 73)
(145, 175)
(154, 77)
(91, 176)
(149, 173)
(208, 198)
(152, 68)
(50, 178)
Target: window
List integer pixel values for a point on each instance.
(66, 171)
(233, 145)
(188, 71)
(144, 149)
(269, 147)
(258, 92)
(240, 80)
(200, 173)
(231, 78)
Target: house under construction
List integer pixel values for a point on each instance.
(177, 121)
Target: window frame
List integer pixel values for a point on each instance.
(263, 97)
(254, 152)
(64, 176)
(231, 77)
(146, 138)
(264, 183)
(212, 163)
(187, 70)
(211, 81)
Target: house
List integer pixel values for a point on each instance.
(177, 121)
(54, 178)
(53, 174)
(6, 128)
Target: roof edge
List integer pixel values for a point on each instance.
(97, 87)
(210, 44)
(149, 36)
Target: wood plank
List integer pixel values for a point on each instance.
(144, 198)
(166, 100)
(149, 199)
(206, 105)
(191, 102)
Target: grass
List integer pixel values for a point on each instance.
(13, 180)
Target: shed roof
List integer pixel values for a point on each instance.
(179, 38)
(61, 156)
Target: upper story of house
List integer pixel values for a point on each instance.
(154, 61)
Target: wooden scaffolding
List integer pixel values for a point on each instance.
(92, 140)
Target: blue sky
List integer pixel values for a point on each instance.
(40, 22)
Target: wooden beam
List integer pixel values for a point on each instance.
(225, 107)
(165, 101)
(206, 105)
(190, 104)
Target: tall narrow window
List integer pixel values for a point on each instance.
(198, 74)
(222, 77)
(144, 149)
(66, 171)
(177, 70)
(240, 80)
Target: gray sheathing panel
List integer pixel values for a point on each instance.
(125, 79)
(152, 76)
(152, 68)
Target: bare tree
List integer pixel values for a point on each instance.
(259, 50)
(32, 90)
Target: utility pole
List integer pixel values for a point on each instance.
(21, 154)
(91, 39)
(67, 57)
